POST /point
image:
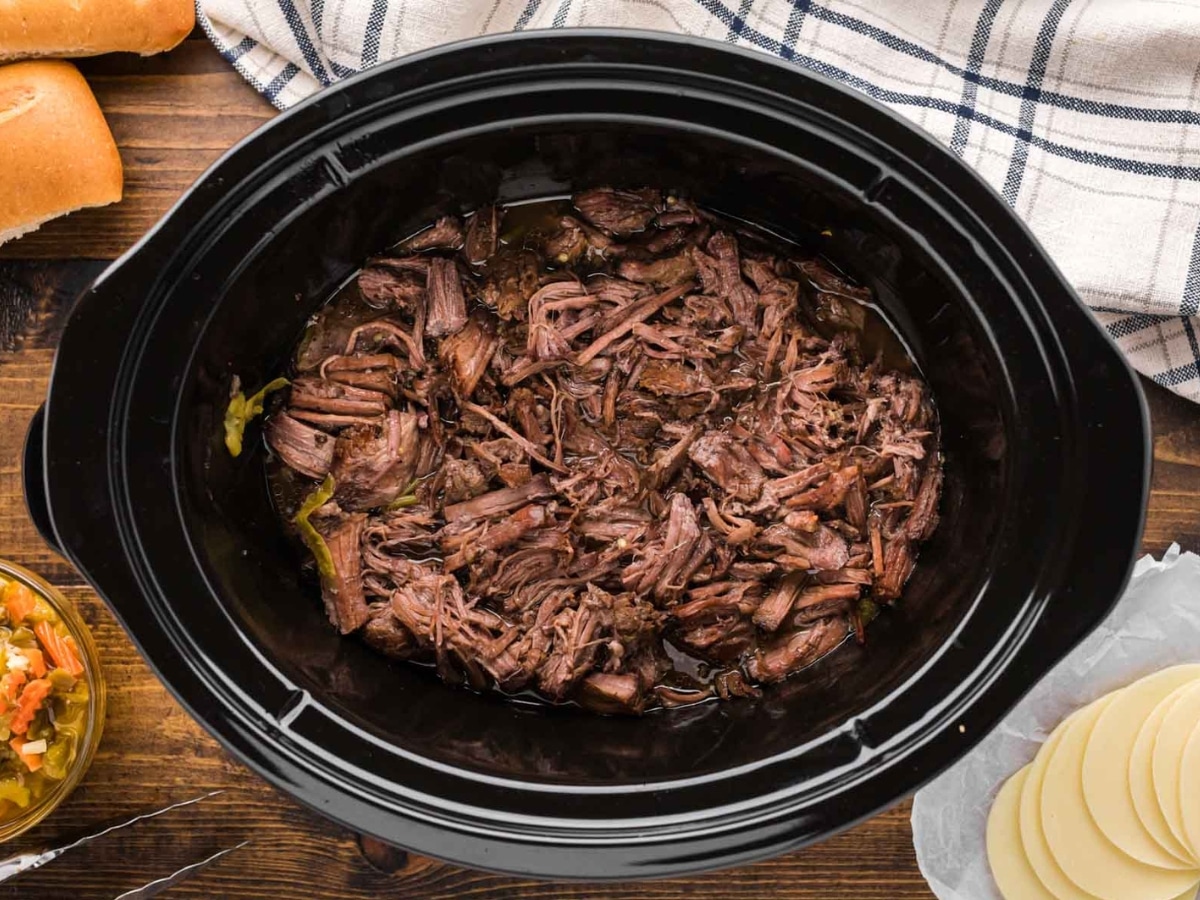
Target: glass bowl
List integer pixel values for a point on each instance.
(94, 720)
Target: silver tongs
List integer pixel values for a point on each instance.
(25, 862)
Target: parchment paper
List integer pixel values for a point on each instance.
(1156, 624)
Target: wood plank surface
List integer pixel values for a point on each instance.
(172, 116)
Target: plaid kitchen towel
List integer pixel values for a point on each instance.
(1084, 114)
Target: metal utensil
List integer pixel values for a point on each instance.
(156, 887)
(25, 862)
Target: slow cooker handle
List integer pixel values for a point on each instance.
(33, 474)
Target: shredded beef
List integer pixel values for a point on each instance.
(564, 453)
(302, 447)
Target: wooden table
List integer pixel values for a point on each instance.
(172, 116)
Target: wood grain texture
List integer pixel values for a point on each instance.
(172, 116)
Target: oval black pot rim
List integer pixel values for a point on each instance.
(585, 848)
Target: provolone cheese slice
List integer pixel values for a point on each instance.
(1084, 854)
(1106, 765)
(1177, 727)
(1189, 789)
(1033, 839)
(1141, 779)
(1006, 854)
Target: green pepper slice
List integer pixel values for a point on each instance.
(309, 534)
(241, 411)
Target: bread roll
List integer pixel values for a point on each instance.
(56, 152)
(30, 28)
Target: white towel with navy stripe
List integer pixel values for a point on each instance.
(1084, 114)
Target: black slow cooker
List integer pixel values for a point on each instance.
(1045, 438)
